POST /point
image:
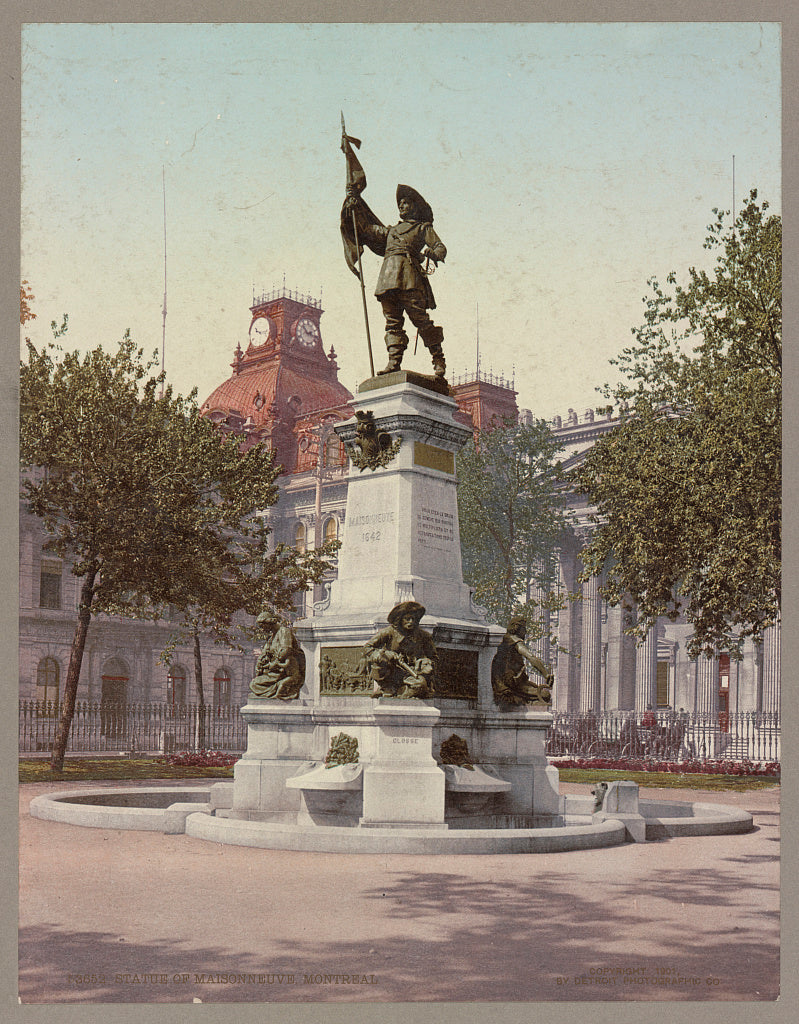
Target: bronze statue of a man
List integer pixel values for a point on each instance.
(402, 657)
(402, 285)
(509, 678)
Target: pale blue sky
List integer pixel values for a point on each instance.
(565, 164)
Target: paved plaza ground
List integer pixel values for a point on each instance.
(138, 917)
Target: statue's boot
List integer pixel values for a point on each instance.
(396, 345)
(433, 337)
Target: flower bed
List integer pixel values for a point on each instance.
(640, 764)
(200, 759)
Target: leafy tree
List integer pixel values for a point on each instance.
(511, 518)
(152, 506)
(210, 600)
(25, 299)
(687, 487)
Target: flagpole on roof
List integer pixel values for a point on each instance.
(345, 145)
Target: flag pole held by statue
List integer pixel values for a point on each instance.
(356, 180)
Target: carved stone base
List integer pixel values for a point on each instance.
(402, 784)
(421, 380)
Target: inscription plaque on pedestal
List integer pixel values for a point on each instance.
(431, 457)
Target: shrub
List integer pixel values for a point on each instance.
(200, 759)
(640, 764)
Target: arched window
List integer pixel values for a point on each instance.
(299, 538)
(332, 451)
(50, 583)
(331, 529)
(176, 685)
(221, 688)
(47, 680)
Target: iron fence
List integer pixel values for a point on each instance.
(100, 726)
(669, 736)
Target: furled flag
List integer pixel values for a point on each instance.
(356, 178)
(358, 213)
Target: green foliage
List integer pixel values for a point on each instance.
(669, 780)
(511, 519)
(145, 497)
(91, 769)
(133, 483)
(687, 487)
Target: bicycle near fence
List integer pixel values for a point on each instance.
(665, 736)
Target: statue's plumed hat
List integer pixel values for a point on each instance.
(420, 204)
(406, 608)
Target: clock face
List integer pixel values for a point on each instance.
(261, 329)
(307, 333)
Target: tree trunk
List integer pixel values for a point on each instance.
(198, 680)
(73, 672)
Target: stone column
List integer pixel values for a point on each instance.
(565, 689)
(646, 662)
(706, 730)
(542, 645)
(591, 663)
(771, 669)
(707, 686)
(612, 660)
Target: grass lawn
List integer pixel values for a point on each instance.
(670, 780)
(91, 769)
(125, 769)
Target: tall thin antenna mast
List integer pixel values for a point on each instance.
(733, 216)
(733, 191)
(163, 331)
(477, 313)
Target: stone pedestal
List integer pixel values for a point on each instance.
(401, 542)
(402, 783)
(401, 536)
(621, 803)
(279, 744)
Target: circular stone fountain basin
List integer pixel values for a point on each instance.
(130, 807)
(173, 810)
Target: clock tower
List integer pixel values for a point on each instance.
(282, 379)
(285, 325)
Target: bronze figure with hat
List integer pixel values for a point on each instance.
(410, 250)
(402, 658)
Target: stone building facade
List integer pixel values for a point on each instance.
(121, 657)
